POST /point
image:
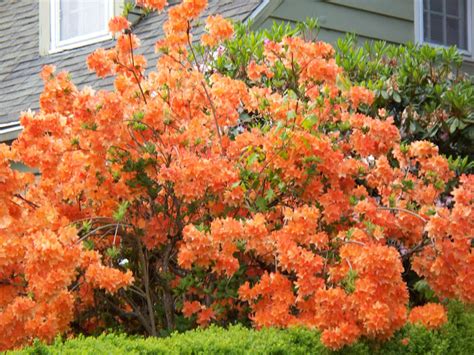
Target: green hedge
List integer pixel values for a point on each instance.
(456, 337)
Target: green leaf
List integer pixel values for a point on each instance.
(88, 244)
(454, 126)
(291, 115)
(113, 252)
(120, 213)
(269, 195)
(261, 204)
(422, 287)
(86, 226)
(396, 97)
(343, 82)
(353, 200)
(309, 122)
(391, 200)
(349, 281)
(252, 158)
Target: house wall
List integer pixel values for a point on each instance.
(388, 20)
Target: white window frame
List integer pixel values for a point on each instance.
(49, 27)
(419, 35)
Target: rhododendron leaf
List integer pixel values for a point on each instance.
(396, 97)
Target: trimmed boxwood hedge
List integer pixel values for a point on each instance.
(456, 337)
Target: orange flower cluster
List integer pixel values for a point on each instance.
(431, 315)
(360, 95)
(218, 246)
(372, 136)
(236, 198)
(447, 261)
(40, 262)
(205, 315)
(271, 298)
(118, 24)
(255, 71)
(178, 24)
(218, 28)
(157, 5)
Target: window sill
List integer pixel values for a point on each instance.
(468, 57)
(80, 44)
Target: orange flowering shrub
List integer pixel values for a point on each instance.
(42, 260)
(226, 200)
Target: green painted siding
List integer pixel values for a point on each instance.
(325, 34)
(389, 20)
(403, 9)
(468, 67)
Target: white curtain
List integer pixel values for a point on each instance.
(82, 17)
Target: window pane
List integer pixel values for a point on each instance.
(436, 5)
(452, 32)
(436, 30)
(445, 22)
(456, 33)
(463, 27)
(452, 7)
(82, 17)
(426, 26)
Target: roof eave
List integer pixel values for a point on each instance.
(10, 133)
(262, 12)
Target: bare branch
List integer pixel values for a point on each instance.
(403, 210)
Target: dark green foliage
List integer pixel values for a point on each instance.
(422, 86)
(456, 337)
